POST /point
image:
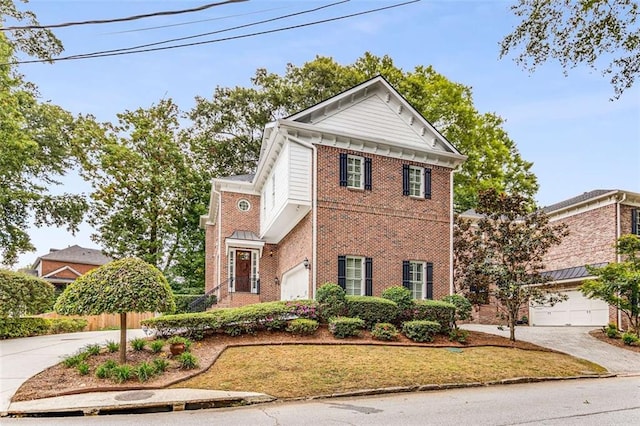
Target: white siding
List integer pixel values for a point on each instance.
(375, 118)
(299, 172)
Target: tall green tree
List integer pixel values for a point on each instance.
(229, 125)
(34, 153)
(618, 284)
(147, 191)
(38, 42)
(603, 34)
(509, 244)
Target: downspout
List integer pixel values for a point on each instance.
(618, 255)
(218, 244)
(451, 233)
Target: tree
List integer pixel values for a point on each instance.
(509, 244)
(34, 152)
(604, 34)
(148, 194)
(22, 294)
(618, 284)
(228, 128)
(118, 287)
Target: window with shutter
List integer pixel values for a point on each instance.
(353, 273)
(416, 181)
(635, 221)
(429, 280)
(368, 276)
(355, 172)
(342, 274)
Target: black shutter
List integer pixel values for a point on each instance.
(429, 280)
(367, 174)
(368, 276)
(427, 183)
(342, 271)
(405, 179)
(406, 283)
(634, 222)
(343, 169)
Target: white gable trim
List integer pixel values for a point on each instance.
(52, 273)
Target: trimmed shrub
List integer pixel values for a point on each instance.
(463, 307)
(384, 331)
(23, 294)
(331, 301)
(66, 325)
(437, 311)
(371, 310)
(611, 330)
(302, 326)
(303, 308)
(23, 327)
(458, 335)
(420, 330)
(342, 327)
(629, 338)
(403, 298)
(183, 301)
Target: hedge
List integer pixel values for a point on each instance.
(22, 294)
(371, 310)
(234, 321)
(342, 327)
(420, 331)
(435, 310)
(36, 326)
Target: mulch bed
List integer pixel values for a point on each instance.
(59, 380)
(602, 336)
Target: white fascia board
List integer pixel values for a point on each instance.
(52, 273)
(373, 145)
(268, 158)
(584, 206)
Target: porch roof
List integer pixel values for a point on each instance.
(572, 273)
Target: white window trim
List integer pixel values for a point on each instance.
(361, 160)
(638, 222)
(240, 201)
(362, 273)
(421, 178)
(423, 268)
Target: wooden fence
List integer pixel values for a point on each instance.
(106, 321)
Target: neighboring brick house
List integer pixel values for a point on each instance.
(595, 220)
(356, 190)
(61, 267)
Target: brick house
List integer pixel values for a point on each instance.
(595, 220)
(356, 190)
(61, 267)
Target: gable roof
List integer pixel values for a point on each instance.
(586, 196)
(75, 254)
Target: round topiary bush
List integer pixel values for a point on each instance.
(331, 301)
(22, 294)
(403, 298)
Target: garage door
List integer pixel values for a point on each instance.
(577, 310)
(295, 284)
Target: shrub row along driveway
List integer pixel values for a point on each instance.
(574, 341)
(27, 356)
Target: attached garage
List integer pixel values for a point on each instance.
(295, 284)
(578, 310)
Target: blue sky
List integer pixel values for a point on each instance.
(576, 137)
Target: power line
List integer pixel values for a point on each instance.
(128, 18)
(89, 56)
(141, 46)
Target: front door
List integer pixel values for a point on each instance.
(243, 271)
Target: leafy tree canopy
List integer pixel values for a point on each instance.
(118, 287)
(22, 294)
(148, 193)
(34, 152)
(618, 284)
(227, 128)
(506, 246)
(604, 34)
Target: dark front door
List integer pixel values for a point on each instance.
(243, 271)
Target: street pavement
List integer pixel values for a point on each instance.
(574, 341)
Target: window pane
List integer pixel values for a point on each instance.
(416, 279)
(415, 181)
(353, 282)
(354, 172)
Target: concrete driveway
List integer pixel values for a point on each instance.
(574, 341)
(27, 356)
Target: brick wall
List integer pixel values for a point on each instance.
(210, 253)
(294, 248)
(382, 223)
(592, 235)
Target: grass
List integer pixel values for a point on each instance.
(308, 370)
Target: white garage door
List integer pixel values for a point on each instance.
(577, 310)
(295, 284)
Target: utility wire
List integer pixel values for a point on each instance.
(217, 18)
(89, 56)
(141, 46)
(128, 18)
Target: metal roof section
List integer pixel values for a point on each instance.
(573, 273)
(244, 239)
